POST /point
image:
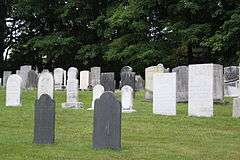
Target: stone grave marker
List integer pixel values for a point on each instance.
(107, 122)
(236, 108)
(98, 90)
(127, 99)
(58, 78)
(24, 74)
(6, 74)
(95, 75)
(84, 80)
(44, 120)
(218, 83)
(128, 78)
(107, 81)
(13, 90)
(139, 83)
(32, 80)
(45, 84)
(72, 73)
(164, 94)
(231, 73)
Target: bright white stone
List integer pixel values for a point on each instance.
(164, 93)
(200, 90)
(45, 84)
(13, 90)
(127, 99)
(72, 73)
(84, 80)
(58, 78)
(98, 90)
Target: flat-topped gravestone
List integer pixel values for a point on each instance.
(182, 83)
(6, 74)
(231, 89)
(58, 78)
(107, 122)
(139, 83)
(72, 73)
(24, 74)
(44, 120)
(218, 83)
(13, 90)
(107, 81)
(231, 73)
(126, 69)
(127, 99)
(164, 93)
(200, 90)
(128, 78)
(149, 72)
(98, 90)
(32, 80)
(95, 76)
(84, 80)
(72, 95)
(45, 84)
(236, 108)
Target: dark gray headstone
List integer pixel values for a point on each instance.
(128, 78)
(107, 81)
(126, 69)
(107, 122)
(139, 83)
(44, 128)
(182, 83)
(32, 80)
(231, 73)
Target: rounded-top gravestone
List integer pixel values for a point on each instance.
(13, 90)
(45, 84)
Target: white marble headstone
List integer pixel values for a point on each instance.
(45, 84)
(84, 80)
(127, 99)
(200, 90)
(58, 78)
(164, 93)
(98, 90)
(72, 73)
(13, 90)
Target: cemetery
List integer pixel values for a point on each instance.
(120, 80)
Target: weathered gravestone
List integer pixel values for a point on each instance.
(164, 93)
(182, 83)
(107, 122)
(128, 78)
(218, 83)
(149, 72)
(126, 69)
(98, 90)
(58, 78)
(231, 73)
(45, 84)
(236, 108)
(201, 90)
(107, 81)
(44, 120)
(32, 80)
(72, 95)
(139, 83)
(95, 76)
(84, 80)
(13, 90)
(72, 73)
(6, 74)
(127, 99)
(18, 72)
(24, 74)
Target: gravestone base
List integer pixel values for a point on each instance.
(128, 110)
(236, 108)
(72, 105)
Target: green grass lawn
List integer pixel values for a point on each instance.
(144, 135)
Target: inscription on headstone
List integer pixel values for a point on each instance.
(95, 76)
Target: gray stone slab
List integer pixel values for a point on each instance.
(95, 75)
(126, 69)
(128, 78)
(236, 108)
(218, 83)
(139, 83)
(24, 74)
(44, 120)
(107, 81)
(32, 80)
(231, 73)
(107, 122)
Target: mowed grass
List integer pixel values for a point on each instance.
(144, 135)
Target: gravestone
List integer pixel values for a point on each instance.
(32, 80)
(149, 72)
(128, 78)
(231, 73)
(24, 74)
(84, 80)
(127, 99)
(107, 122)
(98, 90)
(95, 76)
(107, 81)
(126, 69)
(45, 84)
(13, 90)
(6, 74)
(72, 73)
(182, 83)
(200, 90)
(218, 83)
(18, 72)
(64, 78)
(58, 78)
(72, 95)
(231, 89)
(236, 108)
(139, 83)
(44, 120)
(164, 93)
